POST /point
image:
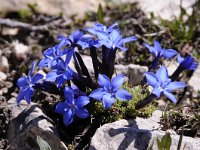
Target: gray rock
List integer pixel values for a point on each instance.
(20, 50)
(136, 134)
(26, 123)
(4, 66)
(161, 9)
(3, 76)
(194, 80)
(52, 7)
(133, 72)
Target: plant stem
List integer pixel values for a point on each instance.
(145, 101)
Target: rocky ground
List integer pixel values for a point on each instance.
(20, 44)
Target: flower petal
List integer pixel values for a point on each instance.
(29, 94)
(103, 80)
(151, 49)
(162, 74)
(68, 74)
(21, 95)
(36, 77)
(97, 94)
(122, 48)
(69, 55)
(114, 35)
(60, 107)
(51, 76)
(175, 85)
(117, 81)
(76, 35)
(157, 46)
(129, 39)
(105, 43)
(44, 62)
(151, 79)
(22, 82)
(69, 95)
(170, 96)
(32, 68)
(82, 112)
(156, 91)
(180, 59)
(82, 101)
(122, 94)
(60, 80)
(169, 53)
(68, 117)
(112, 27)
(108, 101)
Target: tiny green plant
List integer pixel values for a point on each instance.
(165, 142)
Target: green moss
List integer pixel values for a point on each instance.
(24, 13)
(122, 109)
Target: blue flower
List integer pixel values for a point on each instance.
(26, 84)
(65, 47)
(114, 40)
(159, 52)
(187, 63)
(51, 56)
(98, 27)
(61, 74)
(109, 90)
(72, 106)
(162, 84)
(76, 39)
(88, 41)
(110, 37)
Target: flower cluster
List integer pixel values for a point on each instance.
(78, 87)
(57, 59)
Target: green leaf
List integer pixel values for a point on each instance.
(159, 144)
(166, 141)
(22, 69)
(100, 14)
(43, 144)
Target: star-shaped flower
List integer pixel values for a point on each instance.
(162, 84)
(159, 52)
(60, 74)
(26, 84)
(111, 37)
(51, 57)
(72, 106)
(98, 27)
(109, 90)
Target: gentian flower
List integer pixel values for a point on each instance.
(88, 41)
(162, 84)
(77, 38)
(72, 106)
(187, 63)
(51, 56)
(114, 40)
(110, 37)
(26, 84)
(109, 90)
(61, 74)
(159, 52)
(98, 27)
